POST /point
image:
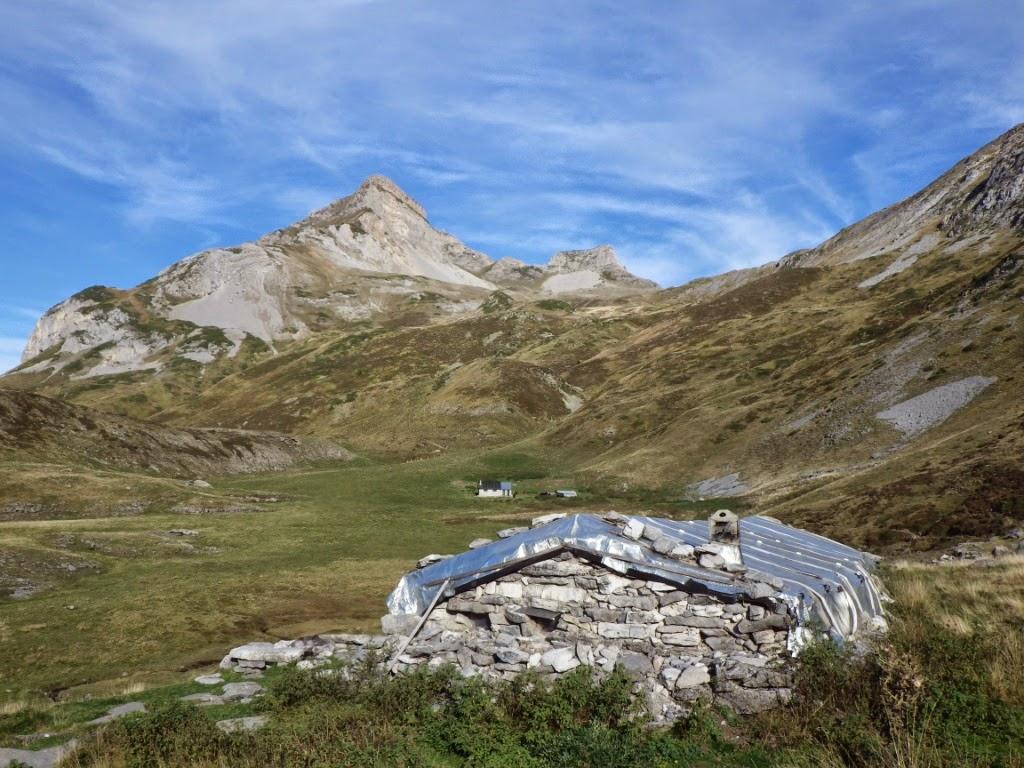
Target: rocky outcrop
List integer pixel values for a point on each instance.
(592, 271)
(366, 256)
(982, 194)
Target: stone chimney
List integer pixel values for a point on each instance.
(724, 531)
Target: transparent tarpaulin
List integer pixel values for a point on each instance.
(828, 585)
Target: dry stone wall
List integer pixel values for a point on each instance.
(554, 615)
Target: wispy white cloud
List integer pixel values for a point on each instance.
(691, 140)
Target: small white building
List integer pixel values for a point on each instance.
(495, 489)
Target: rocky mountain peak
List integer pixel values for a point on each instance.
(376, 189)
(600, 258)
(997, 197)
(378, 196)
(980, 195)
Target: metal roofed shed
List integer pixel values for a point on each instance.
(830, 583)
(710, 609)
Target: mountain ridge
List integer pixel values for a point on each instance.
(833, 390)
(361, 257)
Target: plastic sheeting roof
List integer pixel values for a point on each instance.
(828, 585)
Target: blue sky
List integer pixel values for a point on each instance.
(696, 137)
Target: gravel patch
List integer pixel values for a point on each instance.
(902, 263)
(718, 487)
(913, 416)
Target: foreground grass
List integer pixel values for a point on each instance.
(944, 688)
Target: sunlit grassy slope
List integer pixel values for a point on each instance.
(276, 555)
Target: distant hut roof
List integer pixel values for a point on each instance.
(495, 485)
(823, 580)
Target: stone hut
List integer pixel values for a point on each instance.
(692, 610)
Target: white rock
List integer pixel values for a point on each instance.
(239, 691)
(691, 677)
(545, 519)
(687, 637)
(281, 652)
(560, 659)
(633, 529)
(615, 631)
(609, 583)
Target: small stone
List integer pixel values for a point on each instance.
(241, 724)
(423, 562)
(537, 522)
(669, 675)
(1000, 551)
(560, 659)
(203, 699)
(36, 758)
(671, 597)
(625, 631)
(182, 532)
(693, 621)
(652, 532)
(240, 691)
(609, 583)
(209, 680)
(708, 560)
(682, 552)
(764, 636)
(693, 676)
(774, 621)
(121, 710)
(399, 623)
(686, 637)
(477, 543)
(509, 532)
(633, 529)
(663, 546)
(635, 665)
(282, 652)
(511, 656)
(641, 602)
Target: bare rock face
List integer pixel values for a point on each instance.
(982, 194)
(997, 200)
(592, 271)
(370, 255)
(358, 258)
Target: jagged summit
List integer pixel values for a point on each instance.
(367, 256)
(599, 258)
(377, 193)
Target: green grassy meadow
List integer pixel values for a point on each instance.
(319, 549)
